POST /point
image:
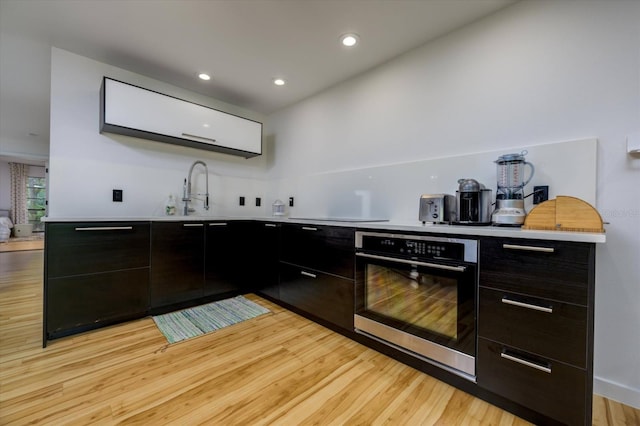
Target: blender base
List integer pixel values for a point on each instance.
(509, 213)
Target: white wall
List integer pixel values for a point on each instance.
(28, 136)
(85, 165)
(392, 191)
(534, 73)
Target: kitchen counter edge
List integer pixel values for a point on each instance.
(390, 226)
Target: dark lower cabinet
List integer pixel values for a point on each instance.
(223, 274)
(535, 307)
(177, 263)
(327, 297)
(540, 326)
(96, 274)
(96, 299)
(535, 325)
(264, 237)
(323, 248)
(552, 388)
(316, 272)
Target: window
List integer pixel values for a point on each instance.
(36, 201)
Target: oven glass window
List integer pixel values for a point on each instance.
(412, 297)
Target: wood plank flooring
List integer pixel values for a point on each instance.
(15, 244)
(278, 368)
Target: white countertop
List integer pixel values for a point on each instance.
(484, 231)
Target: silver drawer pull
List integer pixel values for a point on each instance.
(308, 274)
(189, 135)
(525, 362)
(309, 228)
(508, 301)
(189, 225)
(218, 224)
(105, 228)
(270, 225)
(529, 248)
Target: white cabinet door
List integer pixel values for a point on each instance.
(134, 111)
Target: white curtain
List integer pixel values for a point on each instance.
(19, 192)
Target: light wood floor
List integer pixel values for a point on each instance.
(275, 369)
(13, 245)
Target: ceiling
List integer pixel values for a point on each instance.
(243, 44)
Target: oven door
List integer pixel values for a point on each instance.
(425, 307)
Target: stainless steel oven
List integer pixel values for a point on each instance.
(418, 294)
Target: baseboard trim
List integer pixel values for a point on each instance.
(617, 392)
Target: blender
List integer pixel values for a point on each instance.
(510, 194)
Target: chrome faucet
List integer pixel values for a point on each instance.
(186, 190)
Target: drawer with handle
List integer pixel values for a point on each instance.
(550, 269)
(549, 387)
(328, 297)
(324, 248)
(548, 328)
(90, 247)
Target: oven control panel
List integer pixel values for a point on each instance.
(406, 246)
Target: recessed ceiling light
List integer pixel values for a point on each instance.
(204, 76)
(349, 40)
(279, 82)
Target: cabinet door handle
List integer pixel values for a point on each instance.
(528, 248)
(105, 228)
(546, 309)
(218, 224)
(270, 225)
(192, 225)
(309, 228)
(308, 274)
(519, 360)
(413, 262)
(189, 135)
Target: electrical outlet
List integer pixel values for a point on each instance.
(258, 201)
(241, 201)
(290, 201)
(540, 194)
(117, 195)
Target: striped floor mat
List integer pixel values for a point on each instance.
(193, 322)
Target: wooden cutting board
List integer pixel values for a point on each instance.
(564, 214)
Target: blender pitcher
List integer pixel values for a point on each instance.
(511, 176)
(510, 193)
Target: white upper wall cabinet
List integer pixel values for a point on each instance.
(133, 111)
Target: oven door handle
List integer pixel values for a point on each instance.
(414, 262)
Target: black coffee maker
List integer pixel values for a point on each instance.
(473, 203)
